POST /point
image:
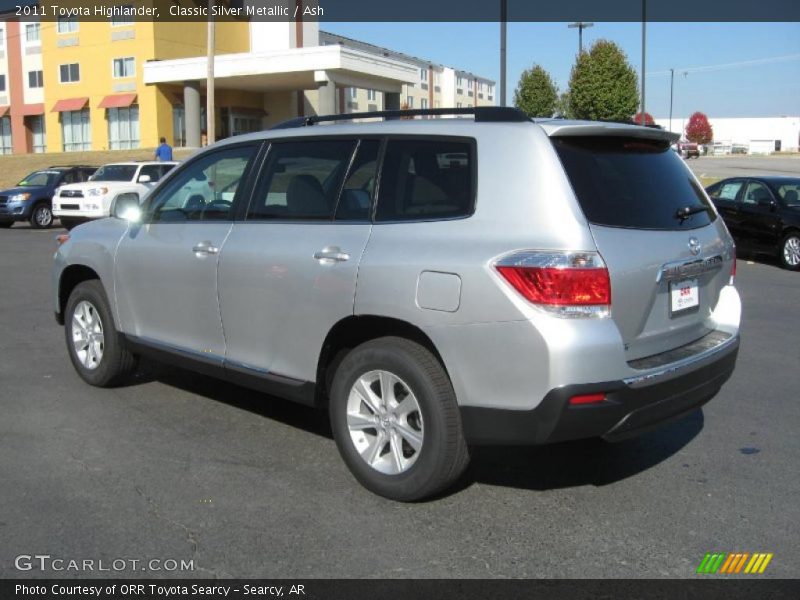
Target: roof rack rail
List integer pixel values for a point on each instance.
(482, 114)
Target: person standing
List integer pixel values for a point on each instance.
(164, 151)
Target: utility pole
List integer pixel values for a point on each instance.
(644, 52)
(671, 81)
(503, 22)
(580, 25)
(210, 119)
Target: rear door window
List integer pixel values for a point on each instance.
(426, 179)
(633, 183)
(302, 180)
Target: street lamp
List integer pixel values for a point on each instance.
(580, 25)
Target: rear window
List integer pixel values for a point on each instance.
(426, 180)
(634, 183)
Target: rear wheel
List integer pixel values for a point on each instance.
(96, 349)
(395, 419)
(789, 253)
(42, 216)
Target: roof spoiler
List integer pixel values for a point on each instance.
(604, 128)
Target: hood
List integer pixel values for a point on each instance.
(29, 189)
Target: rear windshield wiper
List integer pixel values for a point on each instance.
(687, 211)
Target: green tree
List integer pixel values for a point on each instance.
(603, 85)
(536, 94)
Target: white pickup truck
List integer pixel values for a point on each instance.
(76, 203)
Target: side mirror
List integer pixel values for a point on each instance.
(126, 206)
(144, 179)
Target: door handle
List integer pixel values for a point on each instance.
(331, 254)
(205, 248)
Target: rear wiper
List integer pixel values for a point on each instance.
(687, 211)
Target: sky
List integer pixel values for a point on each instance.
(721, 69)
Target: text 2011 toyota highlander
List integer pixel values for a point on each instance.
(434, 283)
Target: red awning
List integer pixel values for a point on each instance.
(30, 110)
(69, 104)
(4, 110)
(117, 101)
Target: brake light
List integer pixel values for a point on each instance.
(568, 284)
(587, 399)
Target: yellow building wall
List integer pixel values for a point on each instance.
(95, 51)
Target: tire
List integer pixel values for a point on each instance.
(789, 252)
(68, 223)
(41, 216)
(6, 224)
(410, 453)
(105, 361)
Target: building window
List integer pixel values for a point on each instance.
(2, 36)
(178, 126)
(2, 83)
(423, 103)
(352, 93)
(458, 104)
(423, 74)
(32, 33)
(120, 19)
(124, 67)
(410, 102)
(459, 82)
(75, 131)
(5, 135)
(67, 25)
(372, 95)
(35, 79)
(36, 125)
(69, 73)
(123, 128)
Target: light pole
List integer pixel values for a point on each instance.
(671, 81)
(580, 25)
(644, 52)
(503, 20)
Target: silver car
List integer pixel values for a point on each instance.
(434, 283)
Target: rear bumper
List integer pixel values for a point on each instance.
(631, 406)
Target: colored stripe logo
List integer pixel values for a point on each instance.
(734, 563)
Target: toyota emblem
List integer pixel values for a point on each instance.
(695, 246)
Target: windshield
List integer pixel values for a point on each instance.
(633, 182)
(789, 191)
(40, 178)
(115, 173)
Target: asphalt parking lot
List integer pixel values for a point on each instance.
(179, 466)
(742, 166)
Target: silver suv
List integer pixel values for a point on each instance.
(434, 283)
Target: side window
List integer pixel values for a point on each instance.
(426, 179)
(302, 180)
(355, 203)
(205, 189)
(70, 177)
(152, 171)
(727, 191)
(756, 192)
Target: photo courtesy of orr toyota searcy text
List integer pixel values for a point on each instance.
(160, 591)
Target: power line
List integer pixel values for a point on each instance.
(741, 63)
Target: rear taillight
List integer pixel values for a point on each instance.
(569, 284)
(733, 265)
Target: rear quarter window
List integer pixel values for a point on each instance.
(426, 179)
(632, 183)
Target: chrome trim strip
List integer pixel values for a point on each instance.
(689, 268)
(673, 370)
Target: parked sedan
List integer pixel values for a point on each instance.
(762, 214)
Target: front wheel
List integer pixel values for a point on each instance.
(96, 349)
(395, 420)
(42, 216)
(790, 251)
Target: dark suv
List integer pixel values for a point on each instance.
(31, 199)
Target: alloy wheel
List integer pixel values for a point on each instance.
(88, 339)
(385, 422)
(791, 251)
(43, 216)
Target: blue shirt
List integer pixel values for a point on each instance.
(164, 152)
